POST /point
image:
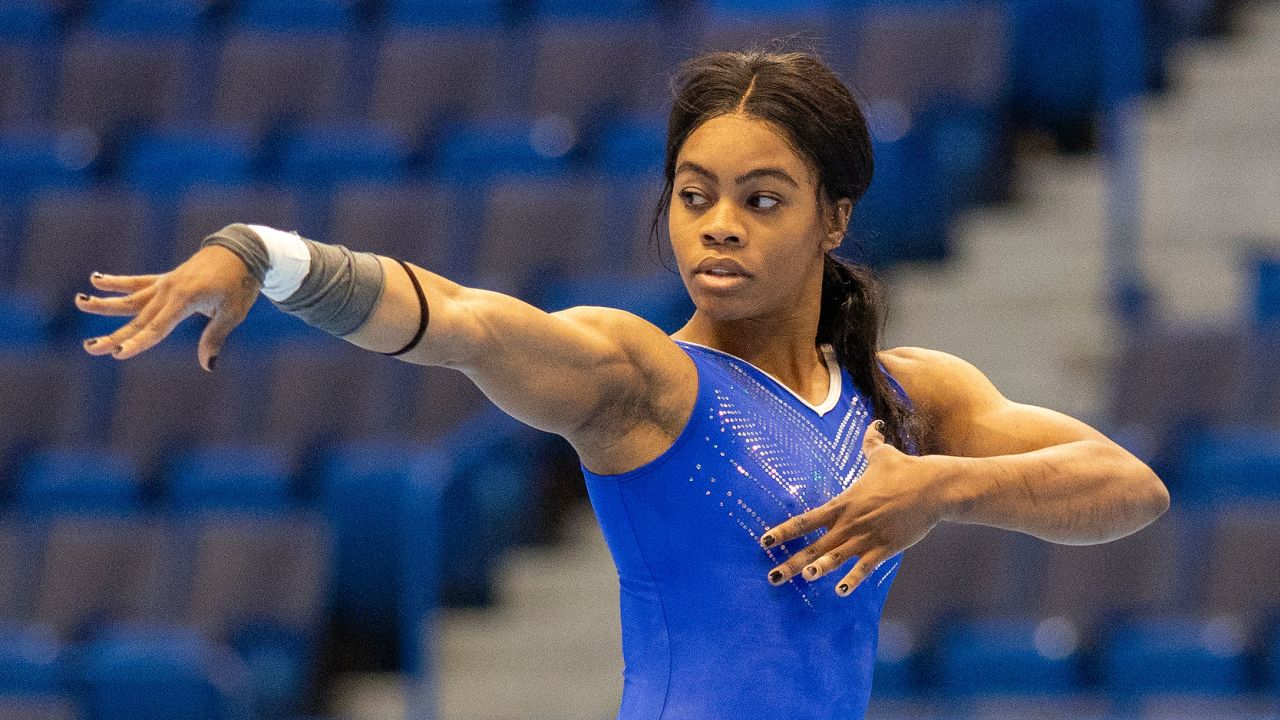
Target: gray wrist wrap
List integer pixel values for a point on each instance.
(341, 287)
(242, 241)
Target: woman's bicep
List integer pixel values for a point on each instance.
(969, 416)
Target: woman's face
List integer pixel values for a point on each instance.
(741, 192)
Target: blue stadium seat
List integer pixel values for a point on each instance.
(633, 146)
(1009, 655)
(295, 14)
(1174, 655)
(25, 321)
(446, 13)
(1058, 61)
(903, 215)
(30, 658)
(229, 477)
(279, 659)
(164, 165)
(132, 672)
(477, 152)
(321, 157)
(26, 19)
(1228, 463)
(78, 480)
(148, 17)
(37, 160)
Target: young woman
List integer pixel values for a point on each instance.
(755, 511)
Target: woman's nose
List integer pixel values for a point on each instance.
(722, 225)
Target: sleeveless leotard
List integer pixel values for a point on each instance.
(705, 636)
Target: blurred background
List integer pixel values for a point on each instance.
(1081, 197)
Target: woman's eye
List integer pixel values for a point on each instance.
(765, 202)
(687, 196)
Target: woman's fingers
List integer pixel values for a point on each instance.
(153, 331)
(799, 526)
(122, 283)
(866, 565)
(129, 304)
(807, 557)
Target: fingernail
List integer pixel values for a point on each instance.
(90, 341)
(775, 577)
(117, 349)
(82, 296)
(880, 425)
(843, 589)
(212, 359)
(811, 571)
(96, 274)
(767, 540)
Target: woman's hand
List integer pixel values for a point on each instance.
(891, 506)
(214, 282)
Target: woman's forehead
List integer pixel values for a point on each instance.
(732, 145)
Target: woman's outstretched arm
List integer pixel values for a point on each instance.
(559, 372)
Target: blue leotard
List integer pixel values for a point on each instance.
(704, 634)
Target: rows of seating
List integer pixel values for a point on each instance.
(1188, 605)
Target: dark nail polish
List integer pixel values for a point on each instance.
(212, 358)
(96, 274)
(82, 296)
(117, 348)
(768, 540)
(90, 341)
(844, 588)
(775, 576)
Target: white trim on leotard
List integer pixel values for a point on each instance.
(833, 372)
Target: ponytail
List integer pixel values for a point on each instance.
(851, 320)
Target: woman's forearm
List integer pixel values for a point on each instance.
(1077, 493)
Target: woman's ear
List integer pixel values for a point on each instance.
(837, 217)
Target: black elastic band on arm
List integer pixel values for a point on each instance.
(422, 320)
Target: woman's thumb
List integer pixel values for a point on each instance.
(215, 334)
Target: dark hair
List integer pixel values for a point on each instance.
(800, 96)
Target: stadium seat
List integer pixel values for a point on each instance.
(1241, 579)
(247, 567)
(29, 661)
(25, 322)
(241, 478)
(1152, 369)
(589, 70)
(319, 157)
(54, 381)
(94, 570)
(1092, 585)
(540, 229)
(56, 480)
(142, 671)
(446, 13)
(27, 20)
(475, 152)
(1010, 655)
(1229, 463)
(148, 17)
(423, 76)
(108, 84)
(268, 78)
(412, 222)
(205, 210)
(280, 661)
(74, 233)
(293, 15)
(347, 395)
(633, 146)
(32, 160)
(164, 165)
(1168, 655)
(18, 85)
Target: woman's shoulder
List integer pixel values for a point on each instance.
(937, 382)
